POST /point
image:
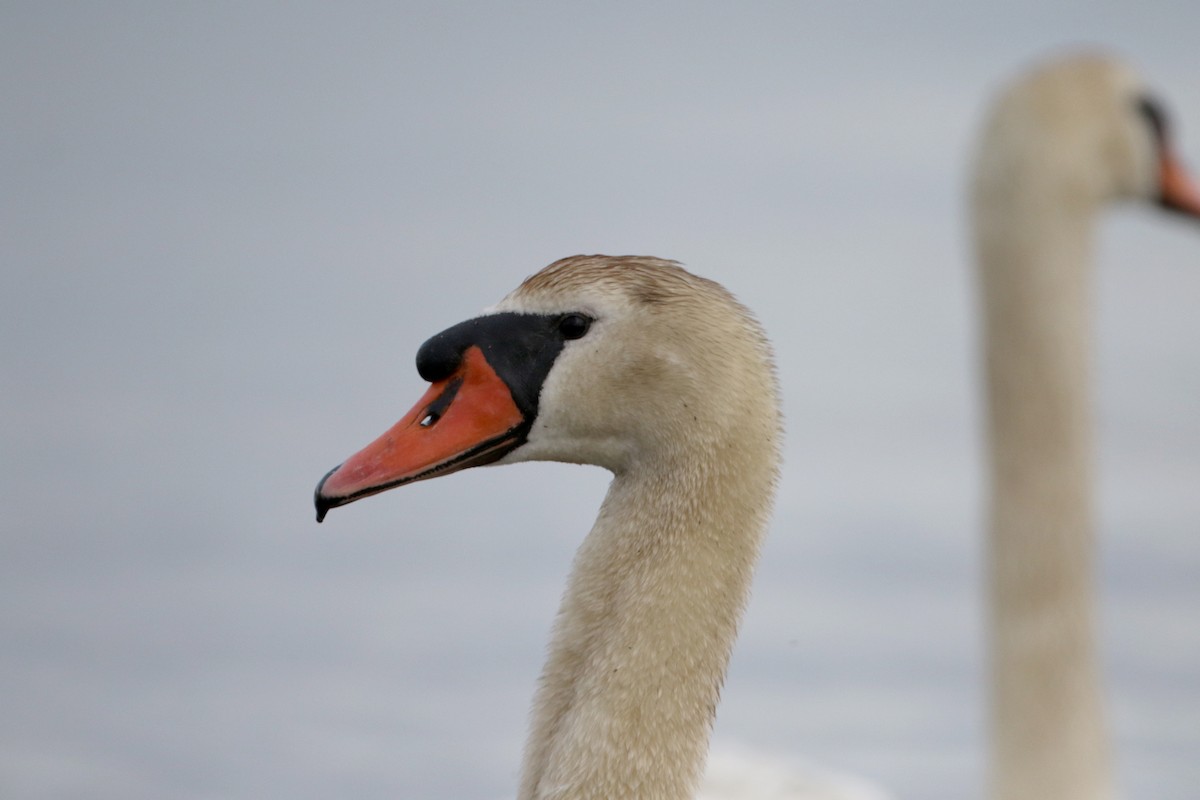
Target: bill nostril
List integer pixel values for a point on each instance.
(442, 402)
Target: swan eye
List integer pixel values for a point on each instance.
(1155, 116)
(574, 326)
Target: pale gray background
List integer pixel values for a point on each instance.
(225, 228)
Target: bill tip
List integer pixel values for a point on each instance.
(319, 500)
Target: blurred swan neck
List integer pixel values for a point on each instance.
(1048, 735)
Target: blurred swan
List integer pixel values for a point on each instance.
(635, 365)
(1060, 143)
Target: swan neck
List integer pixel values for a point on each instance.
(1048, 735)
(642, 639)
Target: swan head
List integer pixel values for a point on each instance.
(623, 362)
(1081, 132)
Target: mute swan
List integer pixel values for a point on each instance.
(662, 377)
(1060, 143)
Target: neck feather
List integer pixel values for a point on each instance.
(642, 639)
(1047, 727)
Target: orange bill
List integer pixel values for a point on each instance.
(1178, 191)
(464, 420)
